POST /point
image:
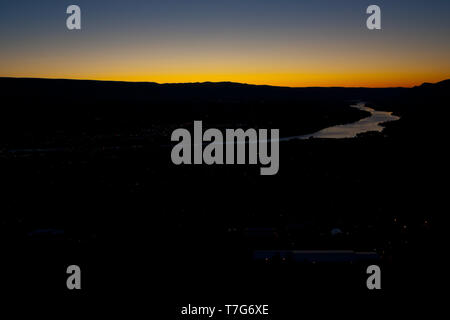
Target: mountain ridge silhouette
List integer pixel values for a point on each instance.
(445, 82)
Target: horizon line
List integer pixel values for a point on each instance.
(215, 82)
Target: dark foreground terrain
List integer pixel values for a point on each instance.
(87, 179)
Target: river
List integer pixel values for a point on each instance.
(351, 130)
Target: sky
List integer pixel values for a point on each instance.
(276, 42)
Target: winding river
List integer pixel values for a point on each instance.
(351, 130)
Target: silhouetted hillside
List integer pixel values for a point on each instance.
(60, 112)
(76, 108)
(445, 84)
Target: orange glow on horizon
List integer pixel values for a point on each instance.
(289, 80)
(320, 64)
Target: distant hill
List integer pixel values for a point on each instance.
(36, 110)
(207, 84)
(441, 84)
(42, 109)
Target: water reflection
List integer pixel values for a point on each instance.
(351, 130)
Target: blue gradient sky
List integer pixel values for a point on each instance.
(280, 42)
